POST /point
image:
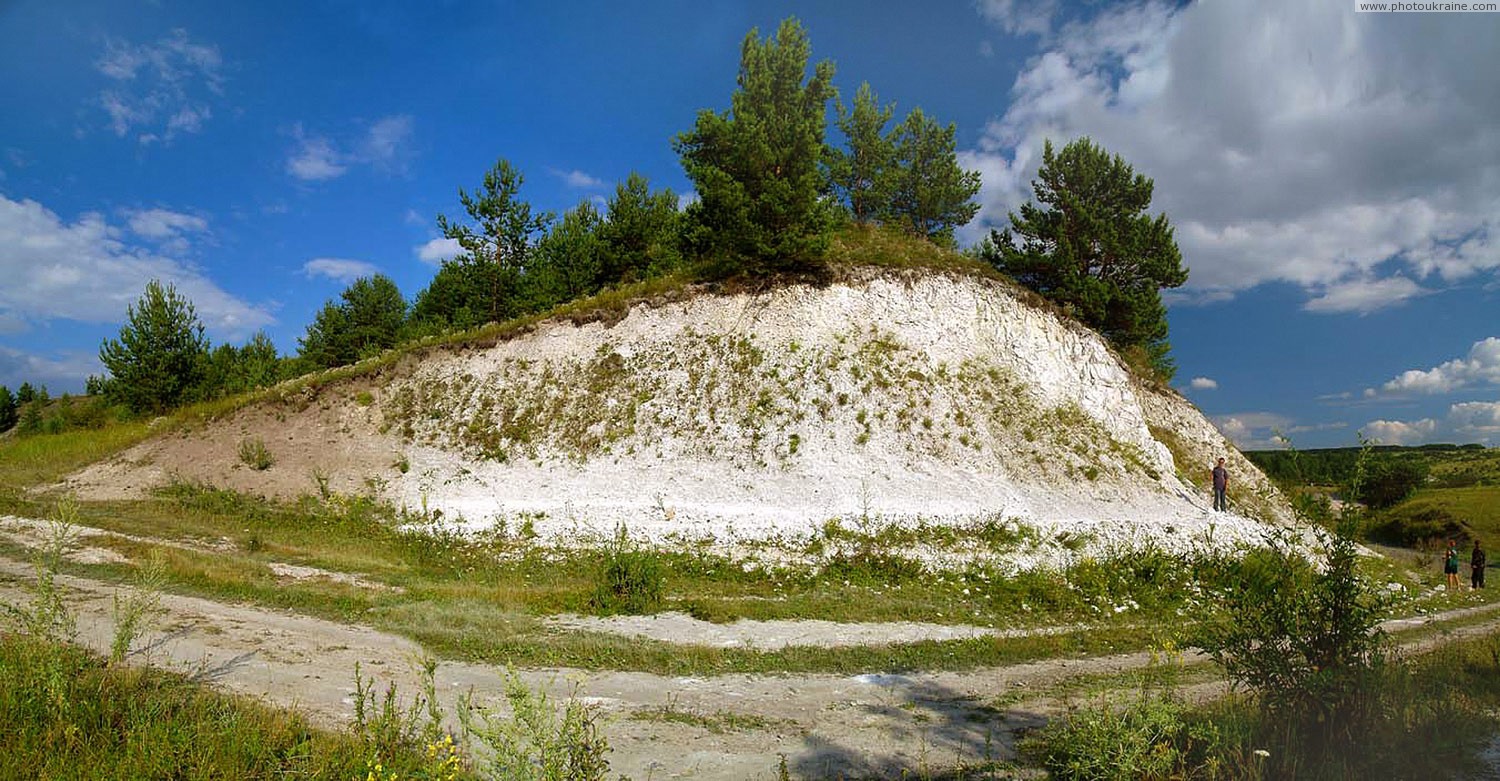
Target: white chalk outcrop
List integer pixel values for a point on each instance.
(920, 399)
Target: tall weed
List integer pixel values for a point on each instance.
(629, 579)
(534, 743)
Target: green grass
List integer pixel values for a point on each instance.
(482, 598)
(46, 458)
(69, 715)
(1477, 507)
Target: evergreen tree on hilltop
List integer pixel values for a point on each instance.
(1088, 244)
(8, 413)
(930, 195)
(640, 232)
(567, 261)
(862, 175)
(160, 353)
(756, 167)
(483, 282)
(368, 319)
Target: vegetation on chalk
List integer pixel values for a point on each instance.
(254, 454)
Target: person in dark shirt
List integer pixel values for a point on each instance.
(1476, 566)
(1221, 487)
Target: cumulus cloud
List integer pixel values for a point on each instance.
(1203, 383)
(385, 145)
(579, 179)
(438, 250)
(88, 270)
(60, 373)
(172, 232)
(160, 90)
(1020, 16)
(339, 269)
(1253, 430)
(1464, 423)
(315, 159)
(1352, 155)
(1481, 367)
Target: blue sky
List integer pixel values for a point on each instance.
(1334, 177)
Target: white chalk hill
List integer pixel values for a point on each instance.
(929, 398)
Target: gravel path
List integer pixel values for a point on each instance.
(868, 724)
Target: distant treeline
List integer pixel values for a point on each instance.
(1335, 465)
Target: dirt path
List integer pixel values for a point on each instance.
(871, 724)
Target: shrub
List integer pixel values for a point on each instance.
(1304, 638)
(629, 579)
(533, 744)
(254, 454)
(1413, 526)
(1105, 741)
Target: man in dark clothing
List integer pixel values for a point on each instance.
(1476, 567)
(1221, 487)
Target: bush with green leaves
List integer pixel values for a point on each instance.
(1304, 638)
(629, 579)
(1388, 481)
(533, 743)
(1111, 742)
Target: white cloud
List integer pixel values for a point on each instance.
(1396, 432)
(438, 250)
(384, 145)
(1481, 367)
(579, 179)
(1020, 16)
(339, 269)
(59, 373)
(1464, 423)
(687, 199)
(1348, 154)
(1203, 383)
(164, 224)
(1253, 430)
(315, 160)
(160, 89)
(1364, 295)
(87, 271)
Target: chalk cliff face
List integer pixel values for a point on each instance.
(926, 399)
(922, 397)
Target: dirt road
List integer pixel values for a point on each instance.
(724, 727)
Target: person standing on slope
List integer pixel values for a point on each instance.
(1476, 566)
(1221, 487)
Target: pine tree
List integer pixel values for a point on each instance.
(367, 320)
(567, 260)
(1088, 244)
(8, 413)
(640, 233)
(756, 167)
(930, 194)
(159, 355)
(862, 176)
(495, 248)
